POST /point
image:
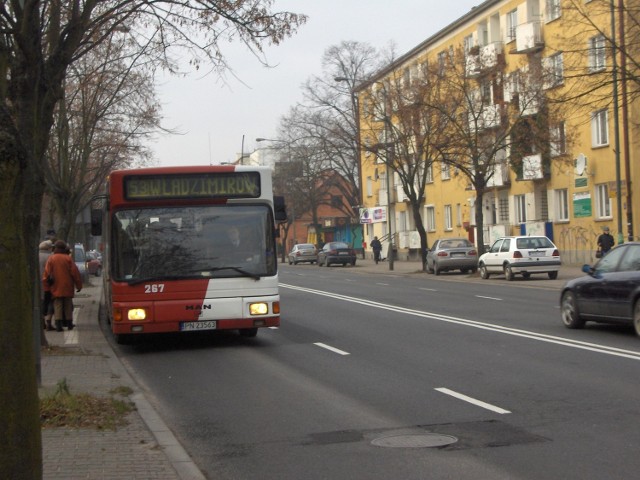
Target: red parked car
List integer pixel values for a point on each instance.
(94, 263)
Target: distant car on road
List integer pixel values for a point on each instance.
(610, 293)
(336, 252)
(303, 252)
(80, 258)
(94, 263)
(520, 255)
(452, 254)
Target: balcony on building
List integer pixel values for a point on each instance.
(529, 38)
(483, 59)
(489, 117)
(532, 167)
(500, 177)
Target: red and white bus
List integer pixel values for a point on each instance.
(189, 249)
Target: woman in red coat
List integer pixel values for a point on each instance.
(61, 275)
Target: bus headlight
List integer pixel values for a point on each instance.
(137, 314)
(258, 308)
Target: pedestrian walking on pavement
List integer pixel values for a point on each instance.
(44, 252)
(61, 275)
(376, 246)
(364, 248)
(605, 243)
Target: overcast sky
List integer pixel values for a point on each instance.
(214, 116)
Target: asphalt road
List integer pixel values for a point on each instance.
(371, 376)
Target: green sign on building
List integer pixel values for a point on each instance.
(582, 204)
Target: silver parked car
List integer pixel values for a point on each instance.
(521, 255)
(452, 254)
(303, 252)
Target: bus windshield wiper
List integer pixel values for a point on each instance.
(239, 270)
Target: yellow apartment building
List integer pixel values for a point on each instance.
(545, 65)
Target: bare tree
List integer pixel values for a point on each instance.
(332, 110)
(405, 133)
(496, 121)
(107, 111)
(40, 40)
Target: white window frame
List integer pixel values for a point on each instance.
(603, 201)
(553, 10)
(512, 22)
(430, 173)
(597, 53)
(554, 70)
(430, 217)
(448, 218)
(520, 203)
(562, 205)
(369, 187)
(600, 128)
(557, 140)
(445, 171)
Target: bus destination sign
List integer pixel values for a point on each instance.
(198, 185)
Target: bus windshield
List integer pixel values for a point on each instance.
(209, 241)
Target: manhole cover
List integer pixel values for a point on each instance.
(422, 440)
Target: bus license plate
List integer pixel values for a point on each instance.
(203, 325)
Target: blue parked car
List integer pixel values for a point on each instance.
(609, 293)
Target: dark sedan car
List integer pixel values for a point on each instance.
(452, 254)
(336, 252)
(610, 293)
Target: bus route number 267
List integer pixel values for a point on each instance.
(154, 288)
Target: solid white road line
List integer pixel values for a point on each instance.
(516, 332)
(473, 401)
(335, 350)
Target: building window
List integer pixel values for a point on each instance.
(521, 208)
(431, 218)
(600, 128)
(458, 214)
(467, 43)
(554, 73)
(442, 61)
(445, 171)
(557, 140)
(553, 10)
(448, 218)
(562, 205)
(503, 208)
(369, 187)
(597, 53)
(430, 173)
(512, 23)
(603, 202)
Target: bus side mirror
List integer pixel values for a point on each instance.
(279, 208)
(97, 209)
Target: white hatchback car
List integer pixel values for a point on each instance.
(520, 256)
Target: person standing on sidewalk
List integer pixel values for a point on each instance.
(364, 248)
(376, 246)
(605, 242)
(61, 275)
(44, 252)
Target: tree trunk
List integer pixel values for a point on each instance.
(20, 200)
(479, 221)
(415, 208)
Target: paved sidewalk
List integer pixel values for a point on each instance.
(144, 449)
